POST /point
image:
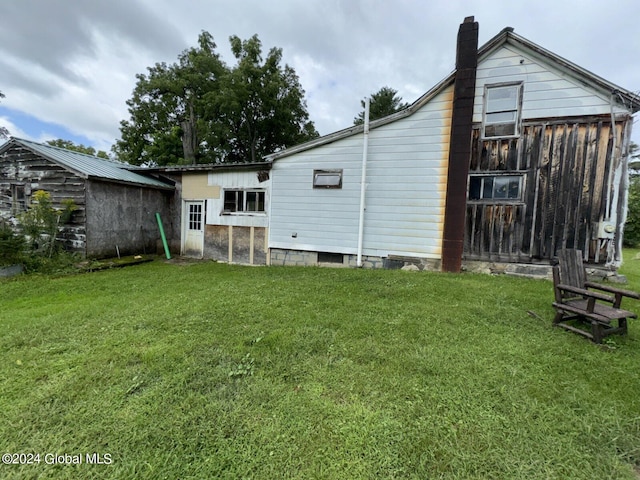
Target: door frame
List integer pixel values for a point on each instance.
(185, 223)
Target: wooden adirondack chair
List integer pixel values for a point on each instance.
(575, 302)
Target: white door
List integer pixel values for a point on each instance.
(193, 229)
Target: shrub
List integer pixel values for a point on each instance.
(12, 246)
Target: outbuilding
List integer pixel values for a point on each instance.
(116, 207)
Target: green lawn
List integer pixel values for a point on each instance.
(209, 371)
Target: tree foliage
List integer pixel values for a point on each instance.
(4, 133)
(69, 145)
(199, 110)
(384, 102)
(632, 225)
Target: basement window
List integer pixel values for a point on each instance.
(495, 187)
(502, 109)
(328, 257)
(327, 179)
(244, 201)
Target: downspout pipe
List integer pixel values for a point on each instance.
(363, 180)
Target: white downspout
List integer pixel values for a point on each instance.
(363, 181)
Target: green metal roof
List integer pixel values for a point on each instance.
(87, 166)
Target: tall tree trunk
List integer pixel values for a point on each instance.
(190, 136)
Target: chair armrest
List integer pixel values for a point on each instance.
(607, 288)
(586, 293)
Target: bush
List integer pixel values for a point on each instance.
(632, 226)
(12, 246)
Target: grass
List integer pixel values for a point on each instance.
(209, 370)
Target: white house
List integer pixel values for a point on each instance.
(508, 159)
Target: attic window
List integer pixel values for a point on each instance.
(327, 179)
(502, 108)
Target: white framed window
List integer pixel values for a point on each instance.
(502, 110)
(502, 187)
(244, 201)
(327, 178)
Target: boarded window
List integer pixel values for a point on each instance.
(18, 199)
(327, 179)
(495, 187)
(244, 201)
(502, 110)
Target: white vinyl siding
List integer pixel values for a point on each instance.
(246, 181)
(406, 183)
(548, 92)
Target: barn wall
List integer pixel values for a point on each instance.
(124, 216)
(570, 192)
(406, 183)
(22, 167)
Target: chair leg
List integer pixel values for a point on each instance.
(622, 324)
(596, 331)
(558, 318)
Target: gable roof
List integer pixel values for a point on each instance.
(87, 166)
(619, 95)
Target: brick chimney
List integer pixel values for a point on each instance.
(460, 146)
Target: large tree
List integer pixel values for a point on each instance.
(261, 105)
(384, 102)
(201, 111)
(168, 123)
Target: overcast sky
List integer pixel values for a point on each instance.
(67, 67)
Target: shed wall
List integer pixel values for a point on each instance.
(22, 167)
(124, 216)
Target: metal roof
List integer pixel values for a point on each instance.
(87, 166)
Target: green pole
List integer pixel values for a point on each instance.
(164, 238)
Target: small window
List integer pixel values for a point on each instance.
(244, 201)
(195, 216)
(328, 257)
(327, 179)
(495, 187)
(502, 111)
(18, 199)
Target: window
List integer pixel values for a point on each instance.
(495, 187)
(502, 105)
(195, 216)
(18, 199)
(244, 201)
(327, 179)
(328, 257)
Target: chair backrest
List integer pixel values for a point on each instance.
(569, 271)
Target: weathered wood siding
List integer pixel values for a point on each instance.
(22, 167)
(570, 186)
(406, 182)
(123, 216)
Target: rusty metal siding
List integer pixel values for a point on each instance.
(566, 166)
